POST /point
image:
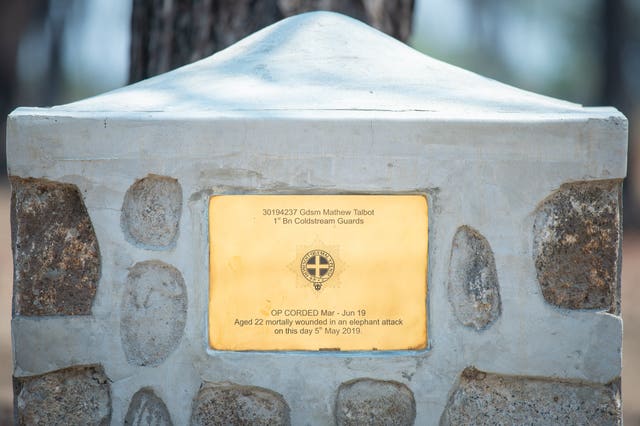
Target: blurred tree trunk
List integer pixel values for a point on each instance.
(166, 34)
(14, 20)
(615, 91)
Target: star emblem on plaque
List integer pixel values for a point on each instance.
(316, 265)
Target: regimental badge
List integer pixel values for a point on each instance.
(317, 266)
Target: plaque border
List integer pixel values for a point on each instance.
(430, 194)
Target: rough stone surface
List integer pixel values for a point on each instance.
(577, 234)
(374, 402)
(474, 292)
(153, 312)
(148, 409)
(492, 399)
(232, 404)
(56, 254)
(73, 396)
(151, 212)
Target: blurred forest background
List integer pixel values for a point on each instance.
(588, 51)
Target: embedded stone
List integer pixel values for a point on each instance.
(493, 399)
(232, 404)
(375, 402)
(474, 292)
(56, 253)
(151, 212)
(577, 232)
(146, 408)
(153, 312)
(74, 396)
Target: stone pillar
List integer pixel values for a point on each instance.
(435, 247)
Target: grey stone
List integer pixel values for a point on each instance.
(474, 292)
(146, 408)
(56, 254)
(153, 312)
(375, 402)
(492, 399)
(232, 404)
(577, 233)
(74, 396)
(151, 212)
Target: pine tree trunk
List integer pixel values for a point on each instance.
(166, 34)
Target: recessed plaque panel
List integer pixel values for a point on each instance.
(318, 272)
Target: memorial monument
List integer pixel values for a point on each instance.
(317, 225)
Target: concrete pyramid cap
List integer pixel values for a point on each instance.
(320, 63)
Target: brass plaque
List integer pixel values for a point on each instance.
(318, 272)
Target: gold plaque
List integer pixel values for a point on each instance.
(318, 272)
